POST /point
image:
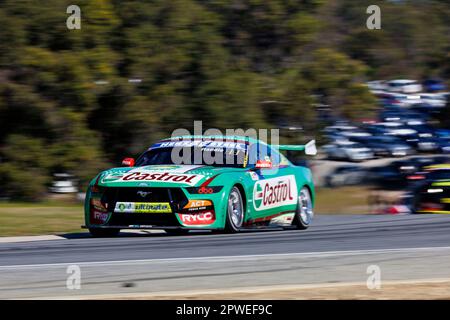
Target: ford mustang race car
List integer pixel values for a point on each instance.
(228, 183)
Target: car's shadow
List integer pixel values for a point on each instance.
(135, 234)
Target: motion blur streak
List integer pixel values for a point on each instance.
(338, 249)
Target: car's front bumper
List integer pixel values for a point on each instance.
(210, 217)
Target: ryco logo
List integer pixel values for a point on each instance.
(203, 218)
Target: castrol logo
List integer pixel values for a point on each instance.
(202, 218)
(275, 192)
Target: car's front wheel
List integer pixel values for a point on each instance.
(103, 233)
(304, 213)
(235, 211)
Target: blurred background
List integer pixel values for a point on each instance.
(74, 102)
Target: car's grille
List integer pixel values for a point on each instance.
(174, 196)
(146, 219)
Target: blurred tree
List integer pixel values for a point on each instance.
(139, 69)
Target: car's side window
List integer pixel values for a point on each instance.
(263, 152)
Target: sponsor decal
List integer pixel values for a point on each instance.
(197, 204)
(169, 172)
(253, 175)
(99, 217)
(112, 176)
(143, 207)
(98, 205)
(283, 219)
(275, 192)
(198, 219)
(190, 179)
(200, 144)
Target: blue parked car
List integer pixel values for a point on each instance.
(433, 85)
(442, 133)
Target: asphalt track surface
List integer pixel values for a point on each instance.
(335, 249)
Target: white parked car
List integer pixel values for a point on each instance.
(404, 86)
(376, 85)
(396, 128)
(63, 183)
(434, 99)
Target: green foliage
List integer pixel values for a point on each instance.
(67, 105)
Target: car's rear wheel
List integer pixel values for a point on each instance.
(304, 213)
(235, 211)
(103, 233)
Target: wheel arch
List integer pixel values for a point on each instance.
(311, 192)
(243, 195)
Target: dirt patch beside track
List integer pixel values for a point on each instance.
(403, 290)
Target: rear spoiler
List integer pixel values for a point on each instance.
(309, 148)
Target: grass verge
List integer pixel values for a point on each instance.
(18, 219)
(344, 200)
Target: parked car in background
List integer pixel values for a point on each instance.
(391, 128)
(442, 133)
(426, 109)
(376, 85)
(398, 99)
(385, 146)
(386, 176)
(64, 183)
(434, 85)
(347, 150)
(345, 176)
(433, 99)
(444, 144)
(426, 144)
(404, 86)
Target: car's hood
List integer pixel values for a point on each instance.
(160, 176)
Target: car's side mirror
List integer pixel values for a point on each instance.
(263, 164)
(128, 162)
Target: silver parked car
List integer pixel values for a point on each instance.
(347, 150)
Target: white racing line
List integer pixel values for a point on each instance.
(229, 258)
(30, 238)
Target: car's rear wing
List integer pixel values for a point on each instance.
(309, 148)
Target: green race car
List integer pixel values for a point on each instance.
(228, 183)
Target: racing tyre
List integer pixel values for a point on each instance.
(304, 213)
(235, 211)
(103, 233)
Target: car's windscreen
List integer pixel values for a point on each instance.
(218, 157)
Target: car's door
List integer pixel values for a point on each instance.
(275, 192)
